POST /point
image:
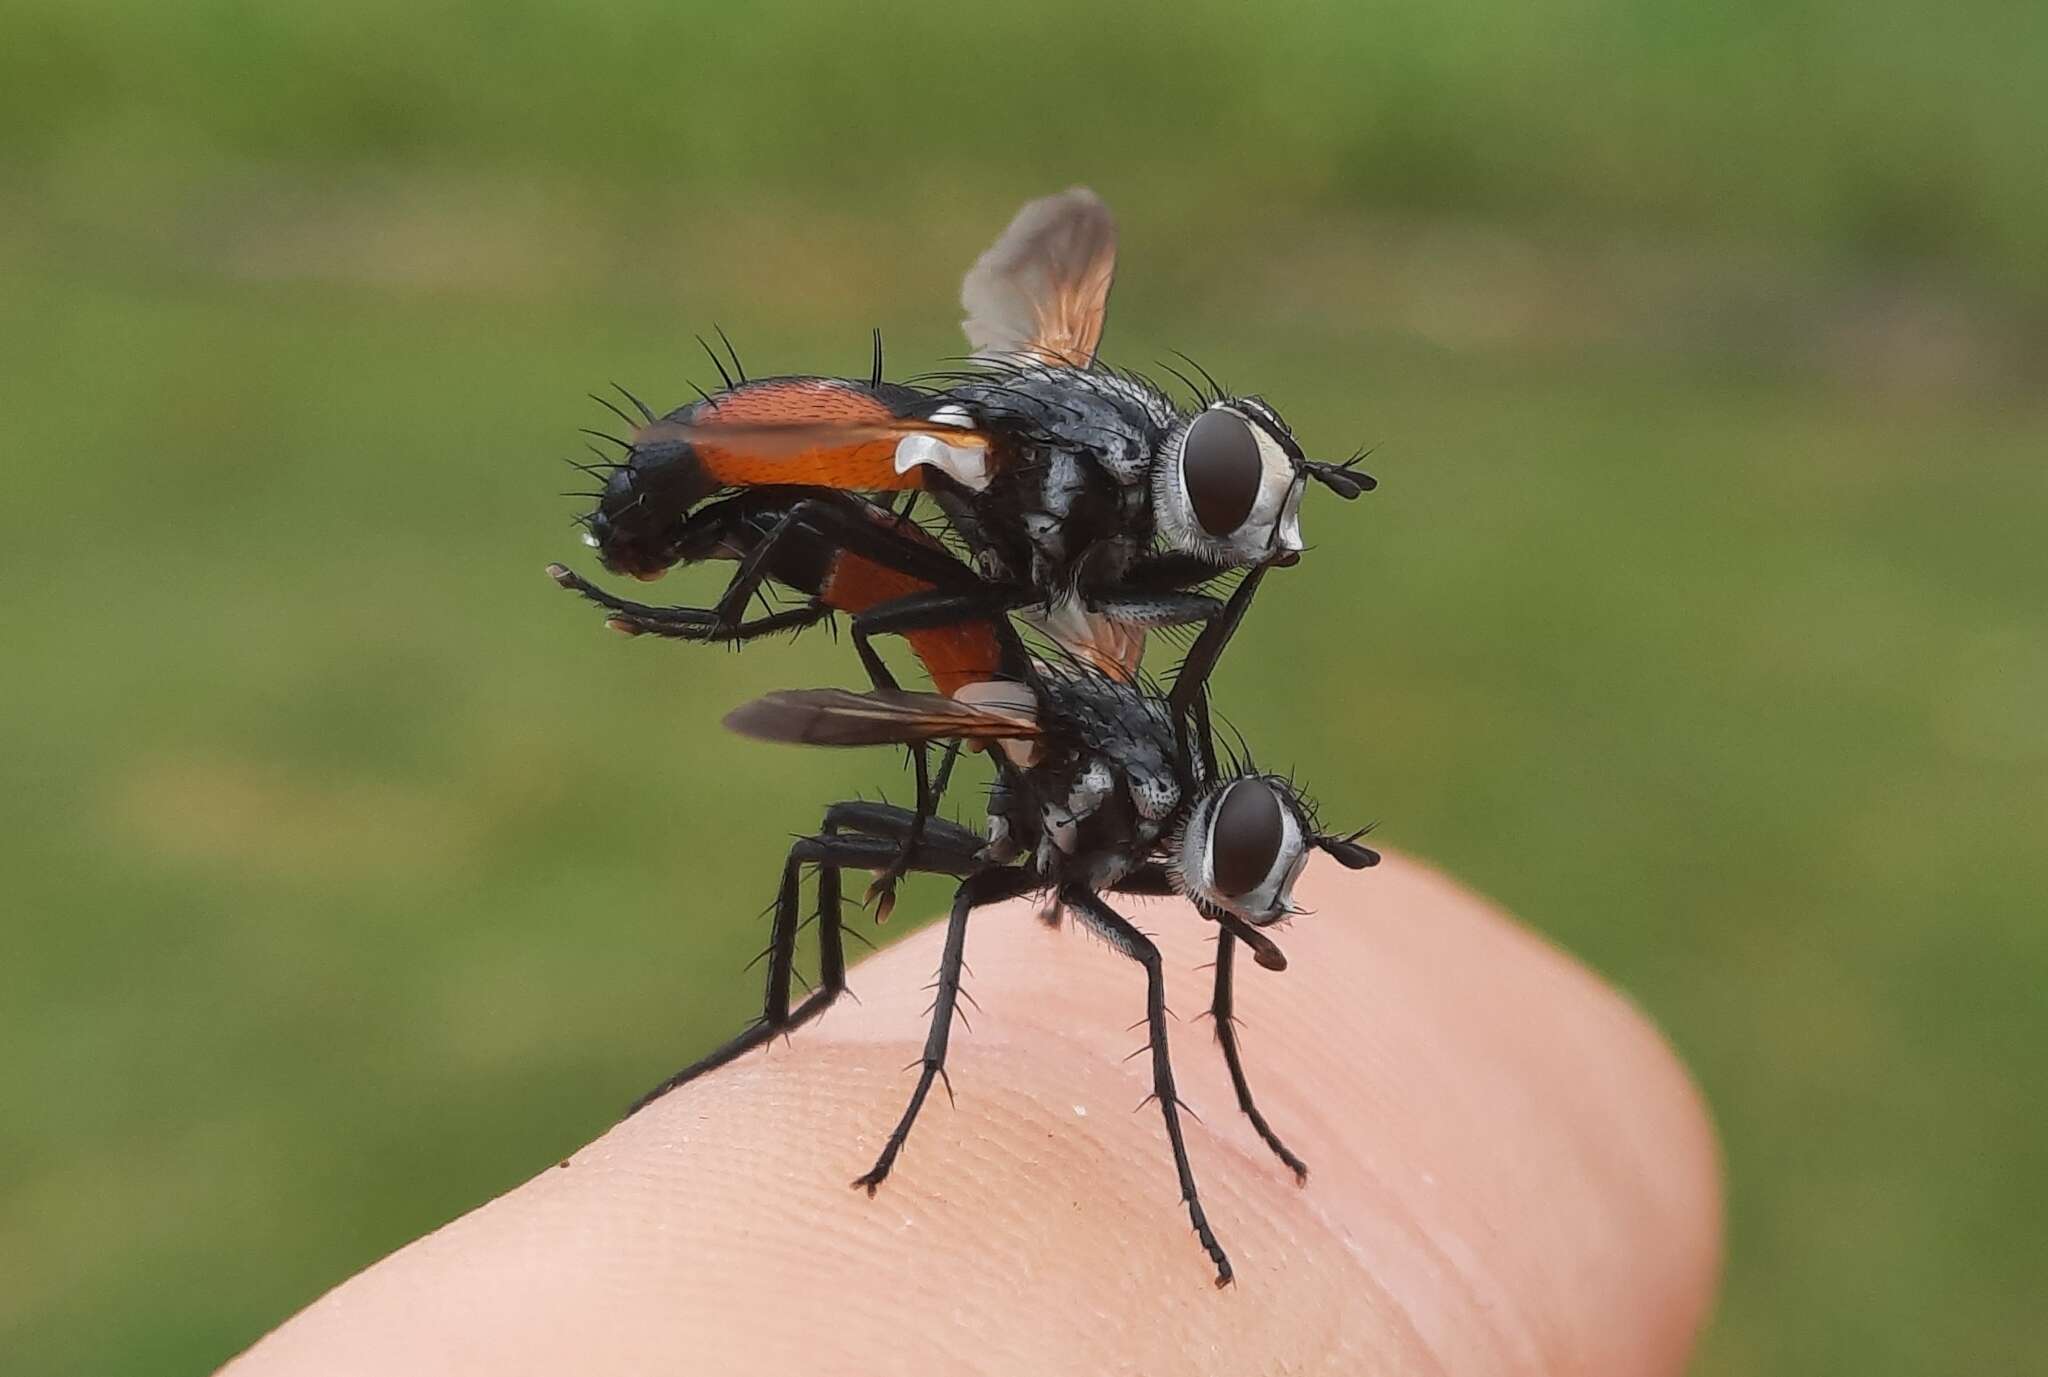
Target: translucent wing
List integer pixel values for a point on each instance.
(841, 717)
(1111, 647)
(1042, 290)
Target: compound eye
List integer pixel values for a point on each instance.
(1221, 466)
(1245, 839)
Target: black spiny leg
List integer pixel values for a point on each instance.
(776, 1015)
(1154, 610)
(1154, 880)
(847, 522)
(917, 612)
(841, 520)
(1220, 1009)
(684, 623)
(943, 837)
(1119, 933)
(952, 607)
(1190, 694)
(882, 892)
(830, 854)
(982, 887)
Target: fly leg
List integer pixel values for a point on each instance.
(1119, 933)
(1154, 880)
(986, 603)
(830, 853)
(848, 524)
(882, 891)
(1221, 1004)
(979, 888)
(1189, 698)
(776, 1015)
(953, 593)
(942, 836)
(768, 536)
(930, 789)
(684, 623)
(917, 612)
(1158, 590)
(1153, 610)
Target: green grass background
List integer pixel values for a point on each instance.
(351, 875)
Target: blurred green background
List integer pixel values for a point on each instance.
(352, 875)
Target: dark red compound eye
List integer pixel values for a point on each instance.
(1219, 462)
(1245, 838)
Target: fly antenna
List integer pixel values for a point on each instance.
(1346, 480)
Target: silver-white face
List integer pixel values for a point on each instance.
(1244, 846)
(1228, 486)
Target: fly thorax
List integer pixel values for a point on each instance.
(1124, 428)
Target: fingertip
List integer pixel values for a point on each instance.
(1511, 1172)
(1536, 1108)
(1433, 1062)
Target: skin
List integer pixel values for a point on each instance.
(1510, 1173)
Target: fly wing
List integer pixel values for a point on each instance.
(1042, 290)
(1111, 647)
(829, 432)
(841, 717)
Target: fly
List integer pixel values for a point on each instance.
(1098, 791)
(1086, 497)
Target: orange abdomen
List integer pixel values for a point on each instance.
(953, 656)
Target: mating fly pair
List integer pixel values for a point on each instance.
(1085, 500)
